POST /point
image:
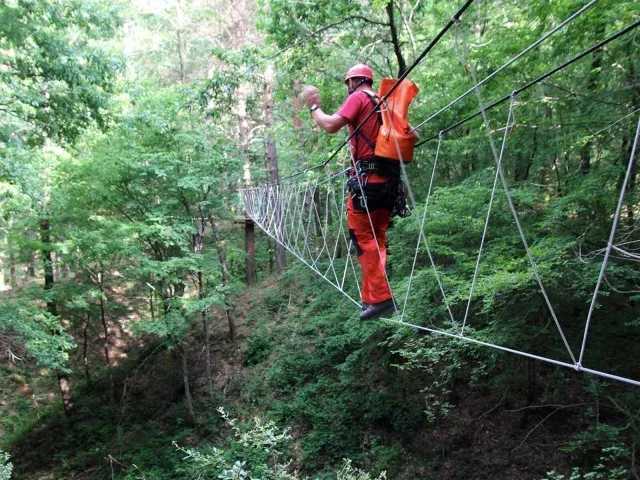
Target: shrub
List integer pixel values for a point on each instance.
(261, 449)
(6, 466)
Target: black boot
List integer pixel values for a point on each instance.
(376, 309)
(364, 306)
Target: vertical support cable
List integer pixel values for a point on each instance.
(472, 73)
(612, 235)
(486, 223)
(423, 236)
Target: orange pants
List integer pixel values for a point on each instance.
(371, 250)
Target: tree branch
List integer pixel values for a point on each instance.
(367, 20)
(544, 419)
(405, 22)
(318, 32)
(402, 64)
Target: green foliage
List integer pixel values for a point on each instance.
(6, 467)
(607, 468)
(57, 73)
(259, 346)
(161, 149)
(260, 448)
(172, 327)
(332, 378)
(348, 472)
(57, 76)
(40, 334)
(602, 434)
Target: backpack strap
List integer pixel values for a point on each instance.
(374, 101)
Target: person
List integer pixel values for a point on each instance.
(372, 182)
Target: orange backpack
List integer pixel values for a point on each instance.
(394, 141)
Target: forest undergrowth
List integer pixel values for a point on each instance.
(304, 360)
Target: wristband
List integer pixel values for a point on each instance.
(314, 107)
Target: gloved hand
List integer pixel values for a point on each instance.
(311, 96)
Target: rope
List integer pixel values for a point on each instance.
(542, 77)
(514, 59)
(486, 223)
(626, 253)
(421, 236)
(260, 206)
(342, 213)
(615, 123)
(373, 231)
(258, 210)
(474, 341)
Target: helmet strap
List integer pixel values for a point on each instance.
(358, 83)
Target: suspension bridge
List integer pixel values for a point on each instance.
(305, 212)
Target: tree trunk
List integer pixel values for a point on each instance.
(524, 162)
(31, 267)
(296, 106)
(85, 347)
(191, 414)
(198, 248)
(243, 140)
(105, 329)
(222, 257)
(52, 308)
(180, 55)
(585, 158)
(56, 265)
(47, 256)
(13, 278)
(297, 121)
(402, 64)
(3, 261)
(207, 337)
(596, 63)
(152, 309)
(182, 44)
(272, 163)
(250, 250)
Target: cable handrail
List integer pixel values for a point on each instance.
(514, 59)
(539, 79)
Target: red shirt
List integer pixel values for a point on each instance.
(355, 109)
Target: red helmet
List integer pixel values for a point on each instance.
(359, 70)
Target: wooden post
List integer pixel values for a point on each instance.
(243, 140)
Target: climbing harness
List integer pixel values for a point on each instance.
(390, 194)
